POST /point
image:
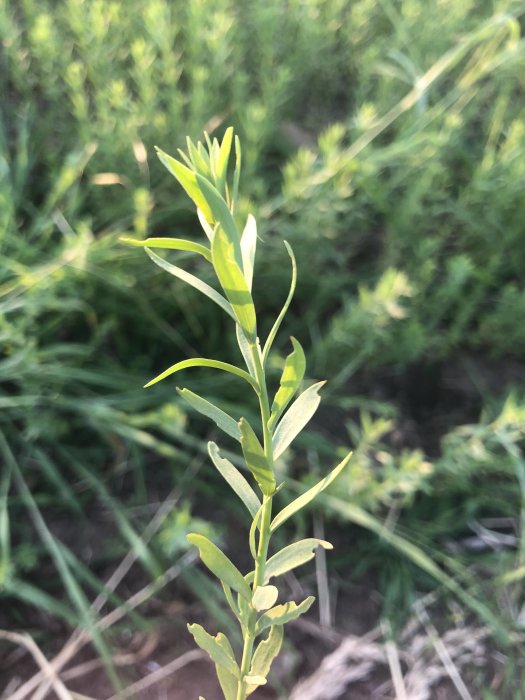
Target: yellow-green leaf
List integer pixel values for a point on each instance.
(189, 182)
(170, 244)
(291, 378)
(219, 564)
(203, 362)
(309, 495)
(235, 479)
(214, 646)
(221, 419)
(266, 652)
(292, 556)
(264, 597)
(282, 614)
(297, 416)
(233, 283)
(256, 459)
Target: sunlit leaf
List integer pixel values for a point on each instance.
(297, 416)
(233, 283)
(228, 682)
(203, 362)
(291, 378)
(221, 419)
(264, 597)
(235, 479)
(192, 281)
(292, 556)
(282, 614)
(223, 158)
(248, 248)
(309, 496)
(188, 180)
(169, 244)
(266, 652)
(219, 564)
(217, 651)
(256, 459)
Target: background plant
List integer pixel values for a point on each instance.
(419, 215)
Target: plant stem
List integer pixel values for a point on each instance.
(266, 517)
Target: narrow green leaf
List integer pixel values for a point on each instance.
(192, 281)
(282, 614)
(199, 159)
(292, 556)
(188, 180)
(271, 337)
(219, 564)
(291, 378)
(248, 248)
(223, 158)
(205, 225)
(221, 215)
(203, 362)
(297, 416)
(214, 648)
(237, 171)
(169, 244)
(266, 652)
(245, 349)
(256, 459)
(233, 283)
(221, 419)
(228, 683)
(309, 495)
(264, 597)
(235, 479)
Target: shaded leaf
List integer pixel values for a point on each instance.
(271, 336)
(292, 556)
(219, 564)
(297, 416)
(221, 215)
(266, 652)
(192, 281)
(233, 283)
(235, 479)
(309, 495)
(203, 362)
(282, 614)
(222, 420)
(264, 597)
(169, 244)
(256, 459)
(291, 378)
(244, 347)
(212, 646)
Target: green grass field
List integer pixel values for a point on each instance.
(386, 142)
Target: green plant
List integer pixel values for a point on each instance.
(203, 173)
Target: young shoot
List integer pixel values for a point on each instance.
(252, 596)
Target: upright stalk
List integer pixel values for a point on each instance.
(266, 517)
(203, 173)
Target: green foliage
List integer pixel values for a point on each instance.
(390, 155)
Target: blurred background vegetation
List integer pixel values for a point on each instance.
(386, 141)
